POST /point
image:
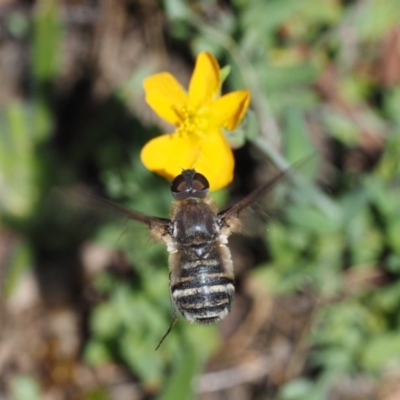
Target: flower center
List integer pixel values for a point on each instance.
(191, 122)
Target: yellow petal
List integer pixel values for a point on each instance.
(210, 155)
(165, 96)
(167, 155)
(228, 110)
(205, 82)
(215, 160)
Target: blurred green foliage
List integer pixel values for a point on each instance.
(25, 388)
(277, 49)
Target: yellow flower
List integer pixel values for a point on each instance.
(199, 116)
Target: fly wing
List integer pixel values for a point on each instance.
(251, 200)
(90, 211)
(252, 210)
(151, 222)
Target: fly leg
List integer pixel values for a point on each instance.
(174, 319)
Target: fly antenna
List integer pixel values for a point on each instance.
(167, 333)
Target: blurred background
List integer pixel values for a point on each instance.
(84, 302)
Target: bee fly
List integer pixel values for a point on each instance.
(196, 236)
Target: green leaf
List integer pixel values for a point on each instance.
(177, 10)
(393, 263)
(261, 18)
(43, 120)
(139, 353)
(97, 394)
(297, 389)
(296, 141)
(19, 263)
(379, 352)
(19, 164)
(389, 165)
(96, 353)
(181, 384)
(47, 41)
(18, 24)
(341, 127)
(106, 320)
(251, 125)
(236, 138)
(313, 220)
(24, 387)
(277, 79)
(224, 73)
(387, 300)
(375, 18)
(393, 233)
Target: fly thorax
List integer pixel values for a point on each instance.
(194, 223)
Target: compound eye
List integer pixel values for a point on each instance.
(200, 183)
(189, 184)
(178, 186)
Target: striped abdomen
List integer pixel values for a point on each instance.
(203, 292)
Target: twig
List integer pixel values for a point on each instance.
(231, 377)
